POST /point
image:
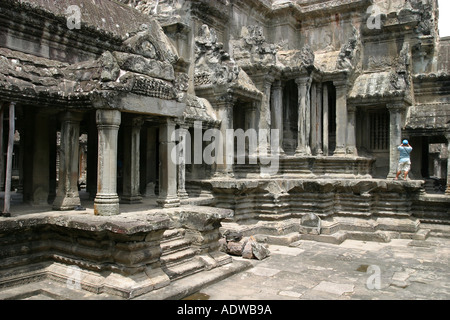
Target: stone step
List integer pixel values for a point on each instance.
(183, 269)
(177, 257)
(172, 246)
(173, 234)
(437, 230)
(335, 238)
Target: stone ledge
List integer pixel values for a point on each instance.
(126, 223)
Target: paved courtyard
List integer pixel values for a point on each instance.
(401, 269)
(354, 270)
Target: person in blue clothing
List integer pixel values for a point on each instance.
(404, 164)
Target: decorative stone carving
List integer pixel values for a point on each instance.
(253, 49)
(213, 66)
(349, 54)
(298, 59)
(400, 77)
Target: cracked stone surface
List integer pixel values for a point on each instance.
(408, 269)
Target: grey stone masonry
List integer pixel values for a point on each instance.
(67, 197)
(107, 200)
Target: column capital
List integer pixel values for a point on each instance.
(135, 122)
(108, 118)
(277, 84)
(71, 116)
(303, 80)
(341, 83)
(227, 100)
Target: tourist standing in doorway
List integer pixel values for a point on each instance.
(404, 164)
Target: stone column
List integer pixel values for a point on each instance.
(151, 161)
(168, 197)
(318, 124)
(264, 125)
(131, 161)
(9, 159)
(67, 196)
(225, 114)
(182, 194)
(92, 157)
(351, 127)
(341, 117)
(251, 124)
(304, 110)
(2, 158)
(106, 201)
(395, 133)
(277, 113)
(53, 155)
(447, 191)
(325, 126)
(313, 123)
(34, 139)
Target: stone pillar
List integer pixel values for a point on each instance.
(325, 126)
(318, 123)
(131, 161)
(313, 123)
(251, 124)
(351, 127)
(447, 191)
(341, 117)
(53, 149)
(168, 197)
(182, 194)
(106, 201)
(395, 133)
(67, 196)
(34, 141)
(2, 158)
(151, 161)
(264, 125)
(9, 159)
(225, 114)
(304, 110)
(277, 113)
(92, 157)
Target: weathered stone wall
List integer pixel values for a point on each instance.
(279, 200)
(126, 255)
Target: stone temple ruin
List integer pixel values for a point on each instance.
(97, 96)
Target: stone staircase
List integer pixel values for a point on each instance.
(380, 229)
(178, 259)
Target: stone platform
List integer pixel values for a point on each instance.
(362, 209)
(143, 249)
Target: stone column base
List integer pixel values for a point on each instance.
(106, 205)
(66, 203)
(183, 195)
(303, 151)
(131, 199)
(168, 202)
(340, 151)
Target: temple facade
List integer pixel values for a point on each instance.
(150, 128)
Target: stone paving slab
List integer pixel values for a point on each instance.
(354, 270)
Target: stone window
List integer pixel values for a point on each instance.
(379, 130)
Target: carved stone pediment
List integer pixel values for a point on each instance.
(298, 59)
(213, 65)
(152, 43)
(252, 49)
